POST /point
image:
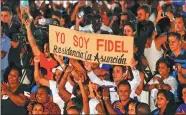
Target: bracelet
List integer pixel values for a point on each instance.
(105, 98)
(63, 65)
(172, 19)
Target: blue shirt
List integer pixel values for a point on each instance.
(125, 107)
(5, 46)
(181, 108)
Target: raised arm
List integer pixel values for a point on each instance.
(37, 73)
(76, 9)
(63, 93)
(30, 36)
(95, 79)
(18, 99)
(107, 102)
(84, 96)
(140, 86)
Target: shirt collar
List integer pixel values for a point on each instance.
(181, 53)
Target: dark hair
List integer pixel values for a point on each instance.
(175, 34)
(124, 82)
(6, 9)
(35, 103)
(47, 89)
(171, 106)
(122, 67)
(183, 18)
(165, 61)
(143, 109)
(183, 85)
(43, 71)
(77, 101)
(57, 13)
(18, 69)
(131, 25)
(146, 8)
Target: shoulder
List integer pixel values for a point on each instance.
(155, 112)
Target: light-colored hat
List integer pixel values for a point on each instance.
(59, 68)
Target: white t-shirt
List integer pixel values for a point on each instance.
(55, 93)
(92, 105)
(134, 83)
(88, 28)
(170, 81)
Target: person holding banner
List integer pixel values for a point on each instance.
(119, 73)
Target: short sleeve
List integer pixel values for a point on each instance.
(22, 88)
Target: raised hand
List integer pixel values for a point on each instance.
(5, 87)
(69, 69)
(36, 59)
(58, 57)
(119, 106)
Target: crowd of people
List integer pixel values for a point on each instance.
(35, 81)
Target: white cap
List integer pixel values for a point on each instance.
(59, 68)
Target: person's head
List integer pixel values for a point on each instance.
(56, 15)
(174, 40)
(124, 16)
(164, 97)
(163, 67)
(43, 94)
(143, 12)
(46, 50)
(132, 108)
(184, 93)
(58, 72)
(179, 23)
(124, 90)
(6, 14)
(14, 75)
(134, 61)
(96, 22)
(37, 109)
(74, 106)
(93, 86)
(143, 109)
(118, 73)
(94, 65)
(128, 30)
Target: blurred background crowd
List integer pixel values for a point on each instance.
(34, 81)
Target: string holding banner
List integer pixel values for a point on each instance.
(101, 48)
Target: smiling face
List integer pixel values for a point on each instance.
(161, 101)
(128, 31)
(42, 96)
(13, 77)
(37, 109)
(163, 70)
(118, 74)
(124, 92)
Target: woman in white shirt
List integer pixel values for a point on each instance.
(162, 80)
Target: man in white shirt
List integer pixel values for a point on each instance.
(119, 73)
